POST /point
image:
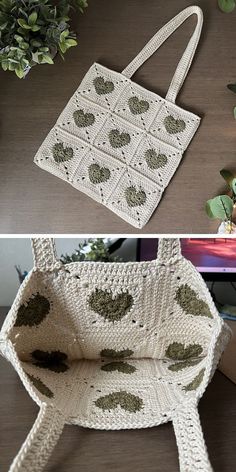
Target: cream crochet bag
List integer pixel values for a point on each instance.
(118, 142)
(114, 346)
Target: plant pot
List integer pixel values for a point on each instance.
(227, 227)
(52, 54)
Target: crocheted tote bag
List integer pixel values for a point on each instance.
(118, 142)
(114, 346)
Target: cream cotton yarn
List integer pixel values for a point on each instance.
(118, 142)
(114, 346)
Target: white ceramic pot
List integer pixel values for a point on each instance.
(227, 227)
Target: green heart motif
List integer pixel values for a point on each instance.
(195, 382)
(98, 174)
(118, 139)
(137, 106)
(125, 400)
(183, 364)
(61, 153)
(82, 120)
(113, 354)
(135, 197)
(112, 308)
(154, 160)
(41, 387)
(187, 298)
(178, 352)
(174, 126)
(123, 367)
(54, 360)
(34, 312)
(103, 87)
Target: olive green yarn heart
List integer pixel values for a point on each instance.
(118, 139)
(154, 160)
(179, 352)
(125, 400)
(98, 174)
(195, 382)
(174, 126)
(137, 106)
(135, 197)
(113, 354)
(103, 87)
(34, 312)
(82, 120)
(187, 298)
(184, 364)
(112, 308)
(119, 366)
(53, 360)
(61, 153)
(41, 387)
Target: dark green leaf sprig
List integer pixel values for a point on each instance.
(32, 31)
(222, 206)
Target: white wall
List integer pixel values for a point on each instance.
(17, 251)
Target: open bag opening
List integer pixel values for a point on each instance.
(114, 346)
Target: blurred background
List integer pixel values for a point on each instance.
(215, 258)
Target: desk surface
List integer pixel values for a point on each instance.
(112, 33)
(145, 450)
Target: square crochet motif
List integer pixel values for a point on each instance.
(118, 143)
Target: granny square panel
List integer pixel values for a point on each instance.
(118, 142)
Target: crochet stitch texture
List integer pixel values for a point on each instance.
(118, 142)
(113, 348)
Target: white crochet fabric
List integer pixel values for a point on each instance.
(114, 346)
(118, 142)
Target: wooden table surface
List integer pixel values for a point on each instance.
(112, 33)
(145, 450)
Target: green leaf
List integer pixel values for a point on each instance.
(63, 47)
(47, 59)
(18, 38)
(232, 87)
(71, 42)
(220, 207)
(19, 72)
(35, 43)
(64, 34)
(4, 65)
(234, 111)
(229, 178)
(23, 24)
(35, 28)
(227, 175)
(233, 186)
(227, 5)
(32, 18)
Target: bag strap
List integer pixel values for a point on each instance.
(169, 250)
(159, 38)
(44, 254)
(190, 441)
(40, 441)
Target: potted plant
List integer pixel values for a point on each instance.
(222, 206)
(33, 31)
(98, 249)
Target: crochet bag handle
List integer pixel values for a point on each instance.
(159, 38)
(44, 254)
(40, 442)
(169, 250)
(190, 441)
